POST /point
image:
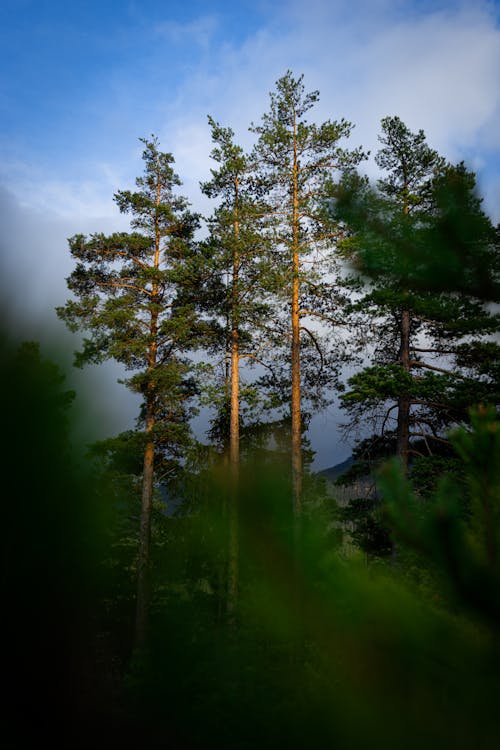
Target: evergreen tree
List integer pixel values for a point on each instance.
(132, 295)
(294, 159)
(433, 356)
(237, 293)
(240, 262)
(411, 165)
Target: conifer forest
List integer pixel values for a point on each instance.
(168, 587)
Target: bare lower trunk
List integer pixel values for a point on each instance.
(404, 402)
(234, 428)
(234, 460)
(403, 430)
(143, 582)
(234, 425)
(296, 450)
(143, 568)
(296, 416)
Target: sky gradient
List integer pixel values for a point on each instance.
(80, 82)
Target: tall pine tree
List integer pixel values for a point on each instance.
(411, 164)
(240, 264)
(237, 295)
(294, 160)
(421, 230)
(132, 296)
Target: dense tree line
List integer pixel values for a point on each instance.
(222, 556)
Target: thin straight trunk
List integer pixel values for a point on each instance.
(296, 417)
(403, 426)
(143, 582)
(222, 575)
(227, 389)
(234, 426)
(297, 648)
(143, 600)
(234, 430)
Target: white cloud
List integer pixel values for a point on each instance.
(64, 195)
(191, 144)
(439, 71)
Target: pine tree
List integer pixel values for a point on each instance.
(240, 269)
(240, 263)
(132, 296)
(411, 165)
(294, 159)
(433, 354)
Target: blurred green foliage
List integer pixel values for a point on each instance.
(454, 247)
(326, 650)
(329, 650)
(53, 542)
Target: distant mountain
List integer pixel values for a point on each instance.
(334, 472)
(362, 486)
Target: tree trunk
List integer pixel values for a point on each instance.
(403, 426)
(233, 557)
(296, 417)
(143, 573)
(143, 581)
(234, 429)
(234, 459)
(234, 426)
(296, 411)
(295, 406)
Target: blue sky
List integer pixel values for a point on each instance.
(80, 82)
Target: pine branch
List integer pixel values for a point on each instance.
(391, 408)
(431, 437)
(125, 255)
(318, 348)
(416, 363)
(304, 313)
(125, 286)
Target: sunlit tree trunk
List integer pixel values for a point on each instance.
(234, 425)
(143, 582)
(295, 354)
